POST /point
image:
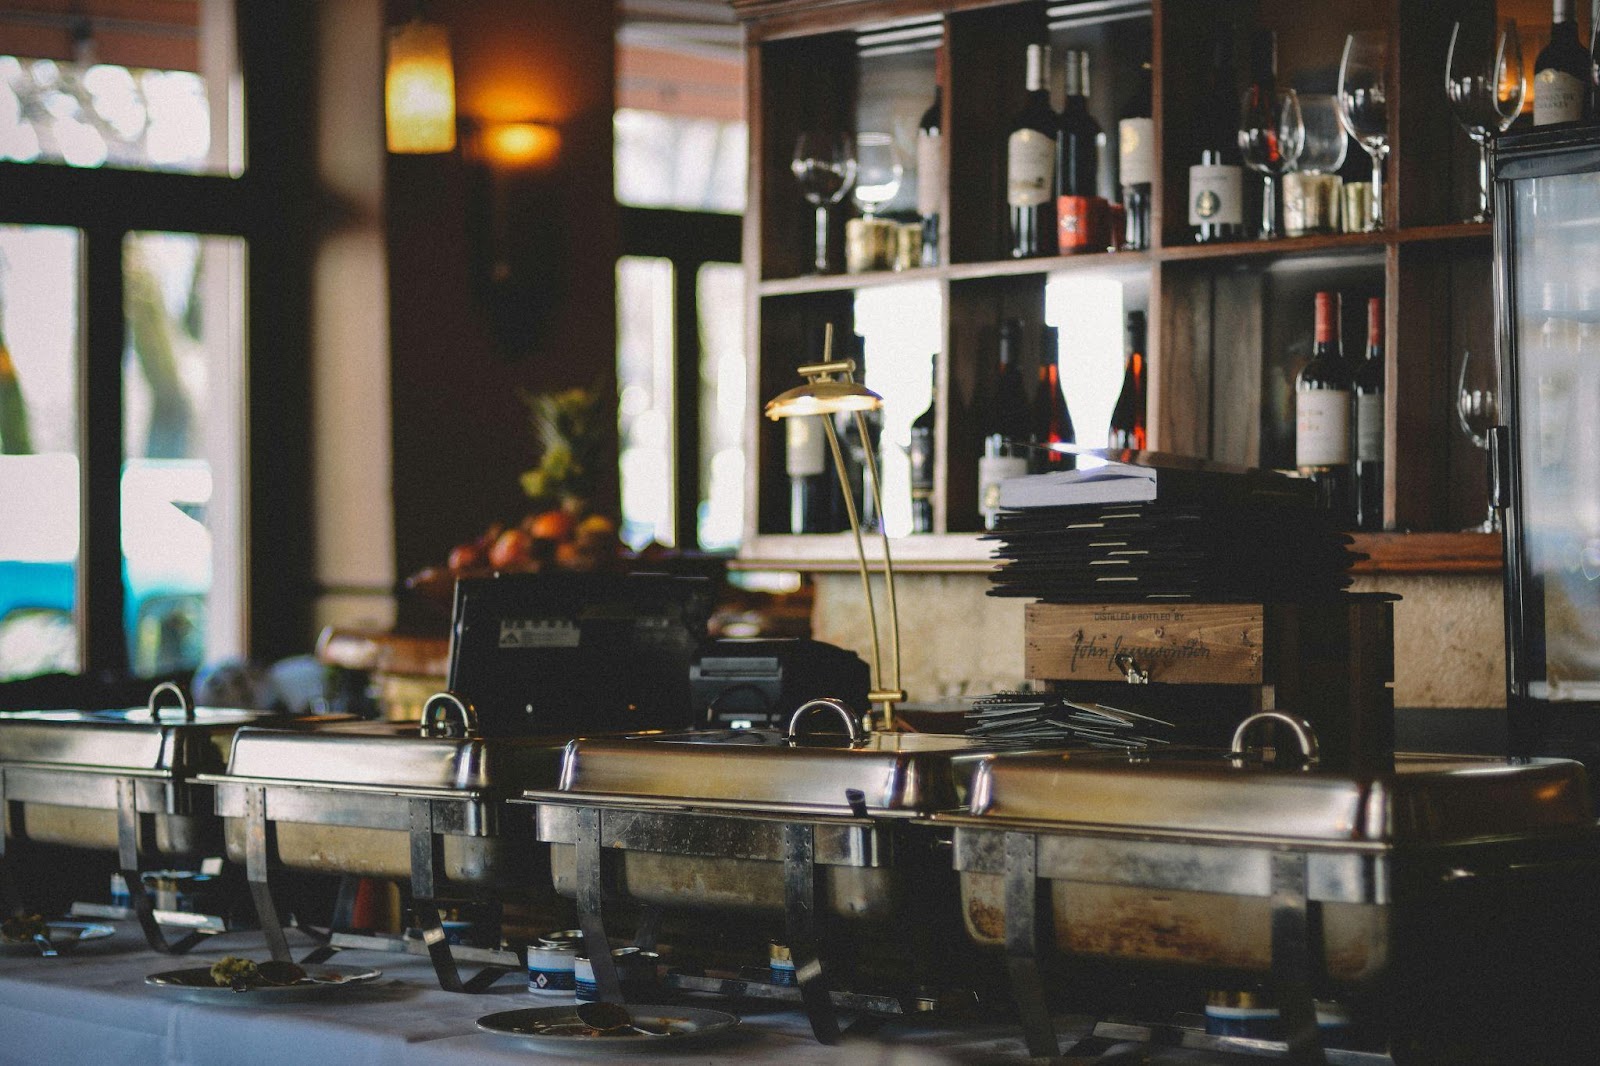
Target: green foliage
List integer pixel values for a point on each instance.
(572, 428)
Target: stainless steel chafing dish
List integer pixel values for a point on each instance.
(1219, 865)
(758, 823)
(380, 800)
(123, 780)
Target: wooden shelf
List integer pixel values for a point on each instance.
(1428, 553)
(1118, 262)
(1387, 553)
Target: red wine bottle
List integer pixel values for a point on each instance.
(1080, 217)
(1562, 72)
(1136, 165)
(1216, 183)
(1369, 424)
(930, 165)
(1051, 421)
(1004, 426)
(921, 456)
(1127, 417)
(1031, 163)
(1322, 392)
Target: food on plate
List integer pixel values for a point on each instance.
(23, 928)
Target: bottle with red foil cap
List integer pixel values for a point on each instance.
(1322, 410)
(1369, 424)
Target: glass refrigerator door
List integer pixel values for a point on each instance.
(1551, 293)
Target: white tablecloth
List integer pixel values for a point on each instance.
(91, 1006)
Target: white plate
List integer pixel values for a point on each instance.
(64, 935)
(557, 1029)
(322, 981)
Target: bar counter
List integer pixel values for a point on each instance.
(91, 1005)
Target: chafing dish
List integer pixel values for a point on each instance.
(1223, 866)
(382, 800)
(122, 780)
(758, 823)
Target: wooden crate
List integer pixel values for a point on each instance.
(1331, 662)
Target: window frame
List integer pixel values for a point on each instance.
(270, 206)
(688, 240)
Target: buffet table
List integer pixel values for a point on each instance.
(91, 1005)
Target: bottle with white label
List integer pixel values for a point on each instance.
(1031, 164)
(1216, 183)
(1562, 73)
(930, 165)
(1369, 424)
(1322, 402)
(1004, 426)
(1136, 136)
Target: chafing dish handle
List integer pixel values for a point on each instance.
(164, 689)
(1303, 733)
(852, 721)
(436, 717)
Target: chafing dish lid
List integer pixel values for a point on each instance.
(1426, 799)
(894, 772)
(124, 739)
(381, 756)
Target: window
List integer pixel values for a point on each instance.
(129, 259)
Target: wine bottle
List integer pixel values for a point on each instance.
(855, 453)
(815, 505)
(921, 456)
(1322, 414)
(1562, 72)
(930, 165)
(1216, 183)
(1030, 163)
(1136, 148)
(1127, 417)
(1051, 422)
(1004, 427)
(1592, 82)
(1081, 215)
(1369, 424)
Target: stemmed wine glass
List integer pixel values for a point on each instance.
(825, 166)
(878, 171)
(1363, 104)
(1271, 133)
(1478, 409)
(1486, 94)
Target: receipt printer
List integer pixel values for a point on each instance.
(751, 684)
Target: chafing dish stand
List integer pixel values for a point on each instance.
(428, 816)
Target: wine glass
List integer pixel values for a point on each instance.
(825, 166)
(1271, 133)
(878, 171)
(1311, 183)
(1324, 142)
(1486, 94)
(1364, 104)
(1478, 410)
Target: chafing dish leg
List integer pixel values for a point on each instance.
(427, 856)
(255, 872)
(128, 862)
(1295, 934)
(1022, 944)
(591, 906)
(802, 894)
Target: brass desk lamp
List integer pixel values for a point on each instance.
(831, 389)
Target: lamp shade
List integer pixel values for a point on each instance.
(823, 398)
(419, 90)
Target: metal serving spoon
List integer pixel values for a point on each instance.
(611, 1018)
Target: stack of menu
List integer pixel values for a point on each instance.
(1167, 529)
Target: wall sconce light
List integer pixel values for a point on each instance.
(515, 226)
(419, 89)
